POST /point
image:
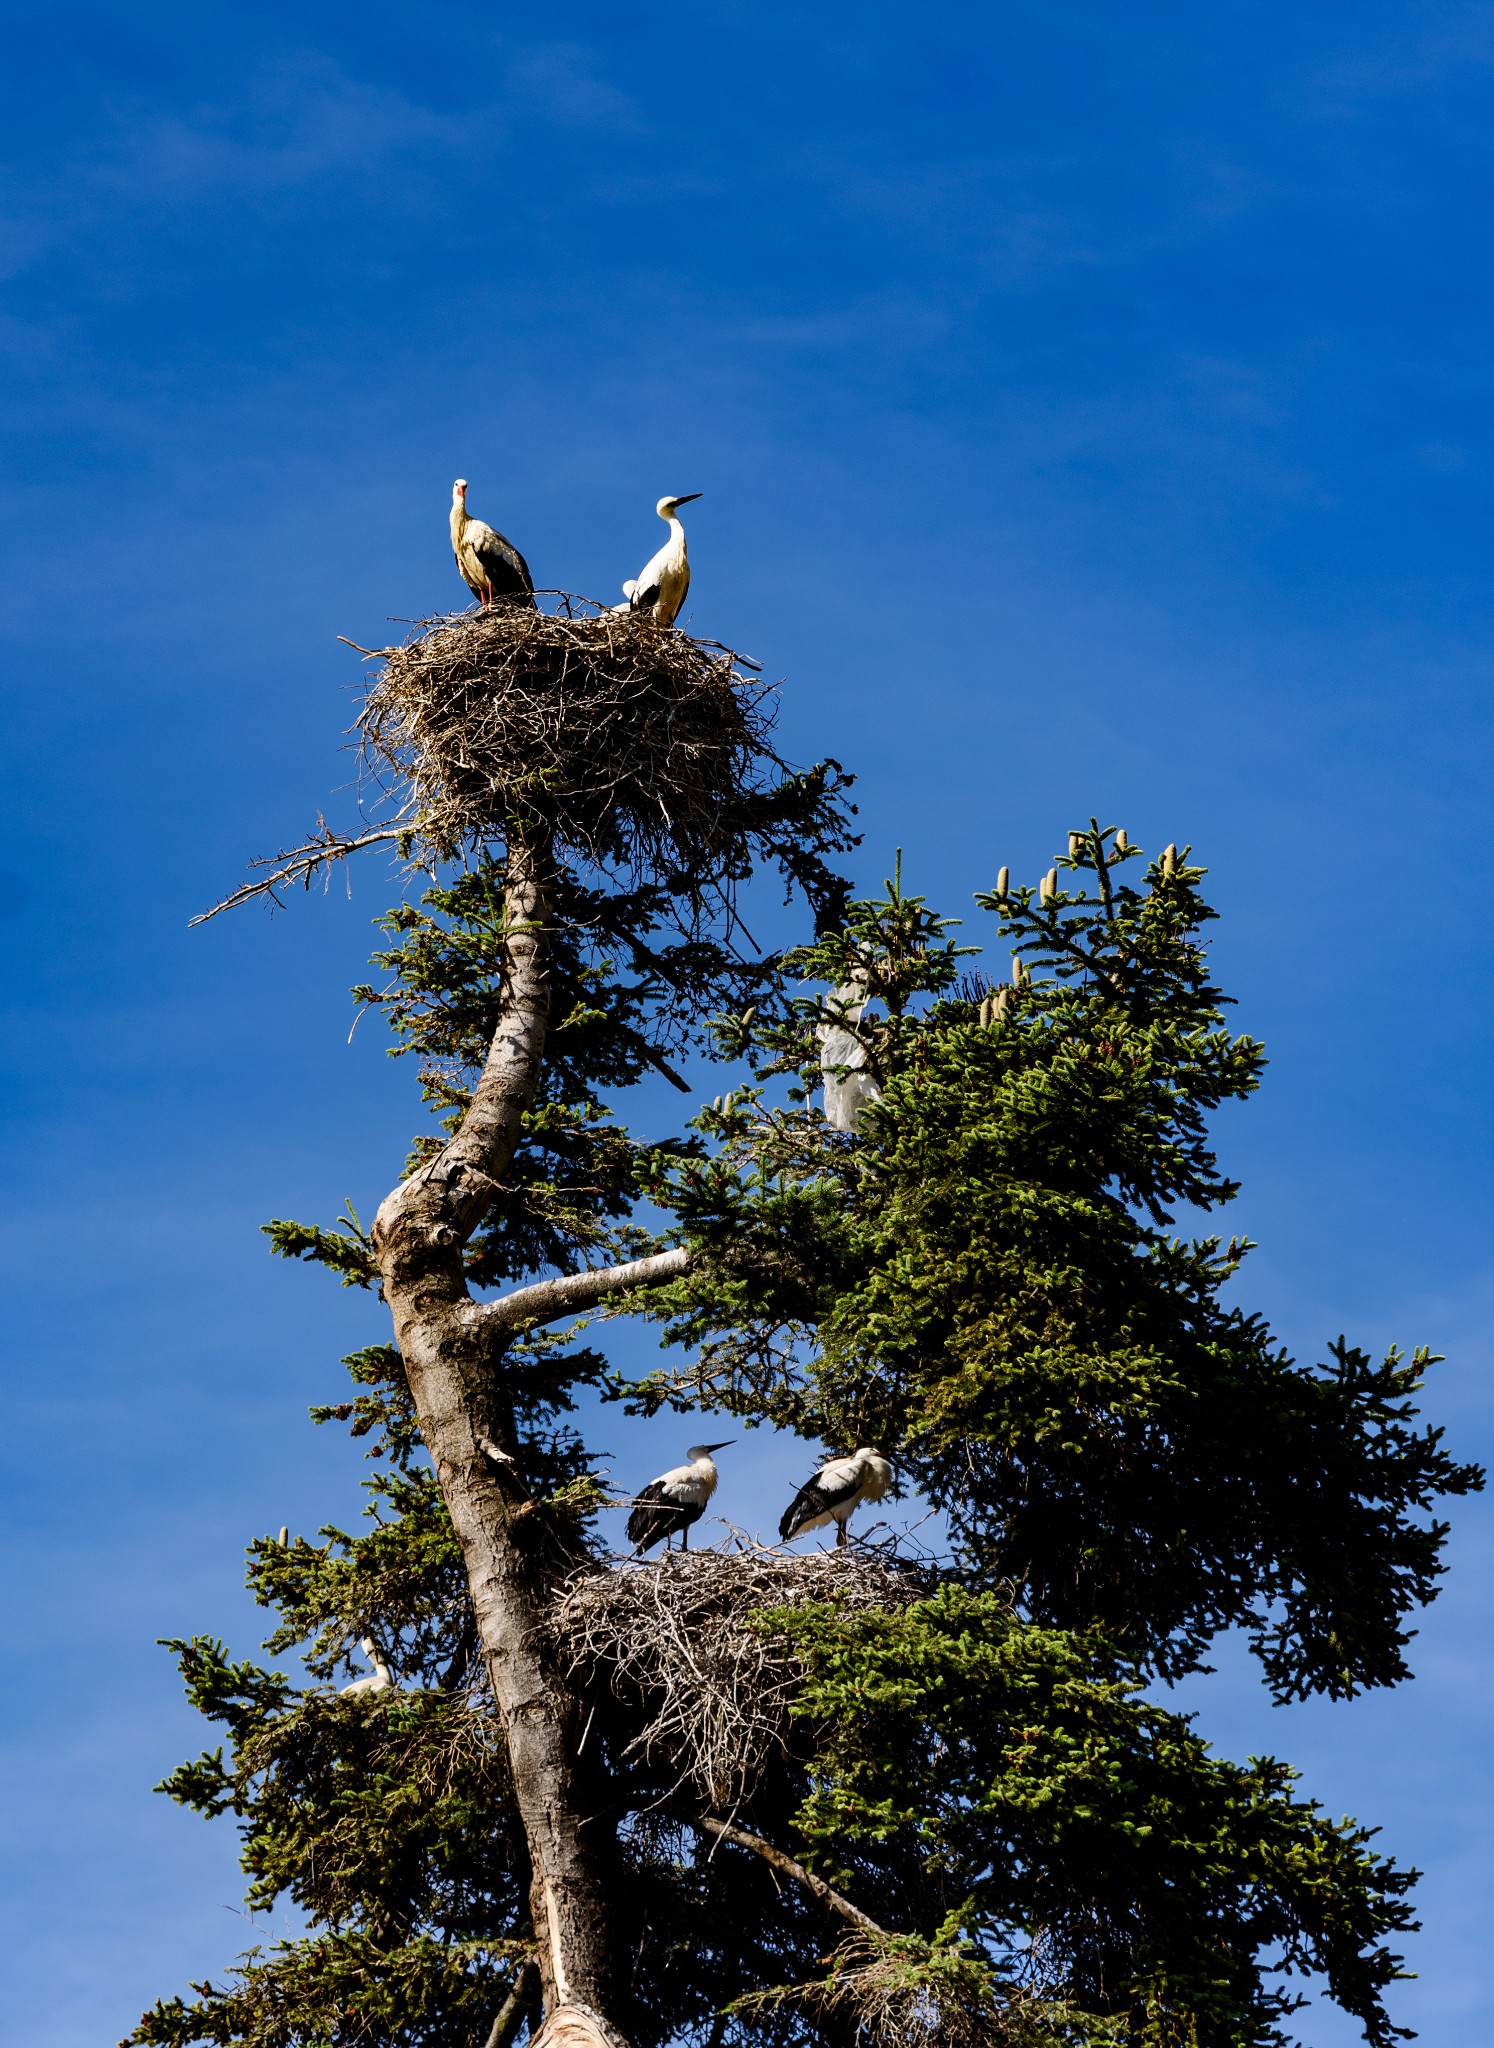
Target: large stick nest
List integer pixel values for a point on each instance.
(631, 742)
(672, 1640)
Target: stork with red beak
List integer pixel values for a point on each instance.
(492, 567)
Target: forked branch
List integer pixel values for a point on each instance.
(301, 864)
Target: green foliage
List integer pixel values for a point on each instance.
(347, 1252)
(1088, 1836)
(984, 1283)
(988, 1281)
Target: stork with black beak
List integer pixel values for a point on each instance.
(834, 1494)
(670, 1504)
(492, 567)
(661, 584)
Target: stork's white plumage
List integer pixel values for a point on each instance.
(661, 584)
(835, 1493)
(669, 1504)
(843, 1058)
(383, 1677)
(492, 567)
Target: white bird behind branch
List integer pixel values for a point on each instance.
(382, 1679)
(843, 1058)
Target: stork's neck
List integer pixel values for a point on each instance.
(458, 515)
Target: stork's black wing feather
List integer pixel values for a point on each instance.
(656, 1516)
(809, 1501)
(504, 567)
(646, 1507)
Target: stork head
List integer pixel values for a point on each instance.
(705, 1450)
(459, 490)
(666, 509)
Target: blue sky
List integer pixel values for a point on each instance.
(1092, 406)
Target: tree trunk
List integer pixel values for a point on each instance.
(449, 1353)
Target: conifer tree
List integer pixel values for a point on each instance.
(953, 1805)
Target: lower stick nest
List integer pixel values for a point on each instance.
(672, 1639)
(628, 740)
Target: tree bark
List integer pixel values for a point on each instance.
(449, 1353)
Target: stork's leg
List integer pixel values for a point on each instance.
(840, 1535)
(685, 1537)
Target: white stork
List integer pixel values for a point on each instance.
(492, 567)
(834, 1494)
(674, 1500)
(846, 1092)
(383, 1677)
(661, 584)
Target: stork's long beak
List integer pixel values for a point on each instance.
(721, 1447)
(689, 499)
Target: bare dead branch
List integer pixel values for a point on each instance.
(574, 1293)
(780, 1860)
(300, 864)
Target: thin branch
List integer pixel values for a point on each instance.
(1056, 942)
(506, 2025)
(1102, 867)
(300, 865)
(780, 1860)
(655, 1059)
(573, 1293)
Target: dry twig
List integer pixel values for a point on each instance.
(896, 1991)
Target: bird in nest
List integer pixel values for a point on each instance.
(492, 567)
(670, 1504)
(661, 584)
(834, 1494)
(382, 1678)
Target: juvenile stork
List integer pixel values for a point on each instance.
(661, 584)
(383, 1677)
(843, 1057)
(670, 1503)
(492, 567)
(835, 1493)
